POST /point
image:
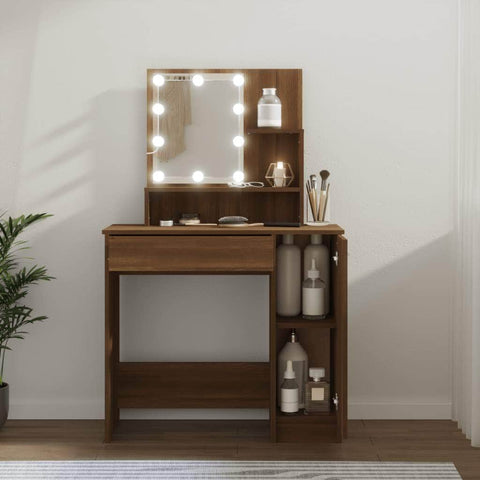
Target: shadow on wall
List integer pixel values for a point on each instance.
(399, 330)
(88, 172)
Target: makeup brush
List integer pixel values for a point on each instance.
(314, 184)
(312, 200)
(324, 174)
(326, 202)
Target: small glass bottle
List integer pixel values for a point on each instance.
(317, 392)
(269, 109)
(293, 351)
(313, 295)
(289, 391)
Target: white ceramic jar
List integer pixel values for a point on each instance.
(269, 109)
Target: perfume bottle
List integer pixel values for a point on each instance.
(294, 352)
(317, 392)
(289, 391)
(316, 250)
(313, 295)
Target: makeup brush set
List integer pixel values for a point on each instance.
(317, 193)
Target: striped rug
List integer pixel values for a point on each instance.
(232, 470)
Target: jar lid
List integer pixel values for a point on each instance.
(269, 91)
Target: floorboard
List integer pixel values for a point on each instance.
(369, 440)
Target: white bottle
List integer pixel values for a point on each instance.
(293, 352)
(313, 295)
(269, 109)
(289, 391)
(289, 275)
(320, 253)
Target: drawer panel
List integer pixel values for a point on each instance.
(191, 253)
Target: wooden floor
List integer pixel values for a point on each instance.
(370, 440)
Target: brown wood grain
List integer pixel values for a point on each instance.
(262, 147)
(141, 230)
(306, 428)
(190, 254)
(193, 385)
(369, 440)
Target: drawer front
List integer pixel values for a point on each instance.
(190, 253)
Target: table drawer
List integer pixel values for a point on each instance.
(191, 253)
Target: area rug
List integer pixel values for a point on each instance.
(231, 470)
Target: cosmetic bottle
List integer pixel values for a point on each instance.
(289, 302)
(269, 109)
(293, 352)
(289, 391)
(313, 295)
(317, 392)
(316, 250)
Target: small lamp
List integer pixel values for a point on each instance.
(279, 174)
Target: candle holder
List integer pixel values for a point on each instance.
(279, 174)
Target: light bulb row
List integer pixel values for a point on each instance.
(198, 176)
(198, 80)
(159, 109)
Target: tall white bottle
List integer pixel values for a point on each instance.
(318, 252)
(289, 278)
(294, 352)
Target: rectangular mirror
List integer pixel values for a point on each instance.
(197, 127)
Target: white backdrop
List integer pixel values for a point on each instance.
(379, 113)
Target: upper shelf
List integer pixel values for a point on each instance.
(221, 189)
(273, 131)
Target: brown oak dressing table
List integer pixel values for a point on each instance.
(206, 250)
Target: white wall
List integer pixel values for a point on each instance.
(379, 113)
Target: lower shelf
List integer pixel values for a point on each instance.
(300, 322)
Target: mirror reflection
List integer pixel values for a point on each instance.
(197, 127)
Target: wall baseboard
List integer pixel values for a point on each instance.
(93, 409)
(399, 411)
(66, 409)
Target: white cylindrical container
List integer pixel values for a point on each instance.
(294, 352)
(289, 301)
(320, 253)
(269, 109)
(313, 295)
(289, 391)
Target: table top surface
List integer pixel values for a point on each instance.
(133, 229)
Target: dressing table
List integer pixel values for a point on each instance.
(208, 250)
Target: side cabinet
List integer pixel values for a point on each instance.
(325, 342)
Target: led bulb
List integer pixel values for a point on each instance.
(238, 109)
(238, 177)
(238, 80)
(158, 80)
(158, 109)
(158, 176)
(158, 141)
(238, 141)
(198, 176)
(198, 80)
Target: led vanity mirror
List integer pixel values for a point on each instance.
(196, 127)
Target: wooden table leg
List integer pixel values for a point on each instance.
(112, 281)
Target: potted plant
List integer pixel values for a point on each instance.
(15, 281)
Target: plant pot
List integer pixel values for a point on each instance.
(3, 403)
